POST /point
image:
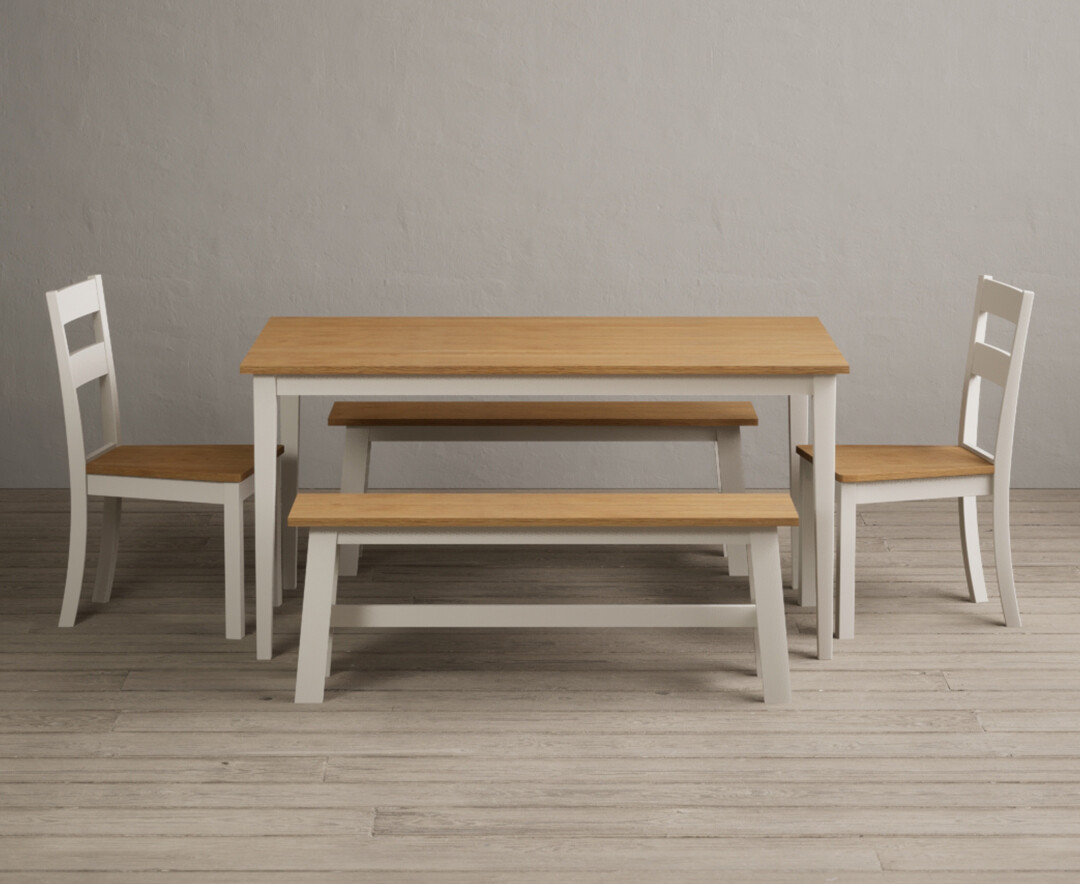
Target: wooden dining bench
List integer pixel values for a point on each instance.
(575, 518)
(719, 423)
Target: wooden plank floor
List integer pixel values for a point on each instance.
(141, 746)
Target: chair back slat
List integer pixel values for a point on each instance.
(999, 299)
(991, 363)
(999, 366)
(89, 364)
(78, 300)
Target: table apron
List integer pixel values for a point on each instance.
(555, 386)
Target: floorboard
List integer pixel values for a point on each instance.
(937, 746)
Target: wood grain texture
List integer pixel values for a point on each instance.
(881, 463)
(554, 414)
(937, 747)
(545, 510)
(703, 345)
(198, 463)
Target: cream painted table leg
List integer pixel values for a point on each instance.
(824, 506)
(798, 434)
(264, 395)
(289, 409)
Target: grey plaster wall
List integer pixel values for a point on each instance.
(220, 162)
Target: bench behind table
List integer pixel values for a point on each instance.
(750, 520)
(718, 423)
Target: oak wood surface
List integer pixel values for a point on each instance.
(199, 463)
(543, 510)
(878, 463)
(628, 414)
(701, 345)
(937, 747)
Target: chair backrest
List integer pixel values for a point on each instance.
(1001, 367)
(91, 363)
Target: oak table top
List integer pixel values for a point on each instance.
(693, 345)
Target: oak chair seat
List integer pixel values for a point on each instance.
(335, 520)
(623, 414)
(887, 463)
(196, 463)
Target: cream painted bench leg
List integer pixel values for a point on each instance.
(729, 478)
(355, 467)
(320, 585)
(771, 632)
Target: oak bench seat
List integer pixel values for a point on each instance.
(472, 413)
(571, 518)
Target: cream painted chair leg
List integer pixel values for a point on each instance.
(729, 478)
(807, 536)
(110, 543)
(769, 609)
(76, 557)
(234, 563)
(845, 605)
(1003, 559)
(319, 582)
(969, 543)
(355, 466)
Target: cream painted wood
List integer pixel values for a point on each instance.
(969, 544)
(355, 468)
(824, 420)
(110, 544)
(770, 636)
(807, 537)
(290, 474)
(356, 459)
(798, 434)
(729, 479)
(95, 363)
(265, 407)
(320, 583)
(731, 357)
(321, 613)
(983, 362)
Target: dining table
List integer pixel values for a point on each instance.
(601, 358)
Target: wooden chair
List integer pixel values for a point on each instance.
(218, 474)
(719, 423)
(884, 473)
